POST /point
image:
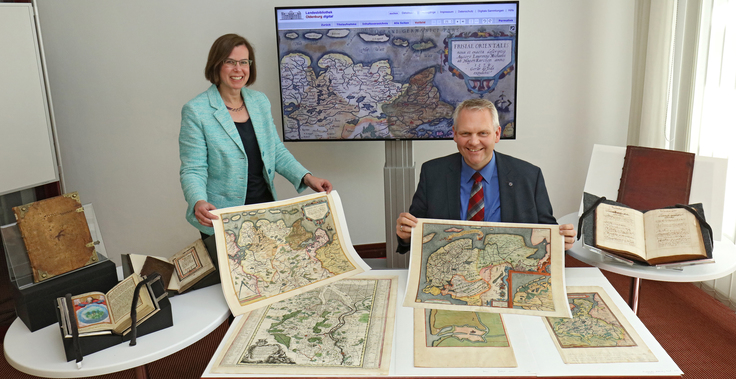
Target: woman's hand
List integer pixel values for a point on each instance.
(317, 184)
(202, 213)
(568, 232)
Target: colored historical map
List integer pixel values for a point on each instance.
(279, 249)
(592, 324)
(460, 339)
(393, 83)
(598, 332)
(488, 267)
(344, 327)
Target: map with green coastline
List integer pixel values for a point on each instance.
(341, 327)
(592, 324)
(402, 82)
(464, 329)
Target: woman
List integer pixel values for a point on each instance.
(228, 145)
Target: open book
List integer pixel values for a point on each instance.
(97, 313)
(653, 237)
(181, 271)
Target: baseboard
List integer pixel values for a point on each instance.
(371, 250)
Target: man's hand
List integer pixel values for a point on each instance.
(317, 184)
(202, 213)
(569, 233)
(404, 224)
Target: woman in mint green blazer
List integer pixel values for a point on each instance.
(228, 144)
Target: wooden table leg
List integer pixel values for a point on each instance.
(141, 372)
(634, 295)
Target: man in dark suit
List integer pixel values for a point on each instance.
(478, 183)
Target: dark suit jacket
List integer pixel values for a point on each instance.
(521, 187)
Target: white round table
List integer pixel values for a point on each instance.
(724, 255)
(41, 353)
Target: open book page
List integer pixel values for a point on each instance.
(620, 229)
(92, 312)
(672, 232)
(120, 299)
(190, 265)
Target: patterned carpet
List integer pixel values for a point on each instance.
(698, 332)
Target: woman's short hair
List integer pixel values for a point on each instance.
(477, 105)
(220, 50)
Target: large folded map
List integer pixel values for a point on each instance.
(487, 267)
(272, 251)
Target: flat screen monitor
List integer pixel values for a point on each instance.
(387, 72)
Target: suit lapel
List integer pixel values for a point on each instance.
(506, 191)
(453, 188)
(222, 116)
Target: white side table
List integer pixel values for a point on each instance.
(724, 254)
(41, 353)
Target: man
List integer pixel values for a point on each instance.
(512, 190)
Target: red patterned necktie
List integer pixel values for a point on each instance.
(475, 205)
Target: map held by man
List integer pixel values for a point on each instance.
(279, 249)
(487, 267)
(344, 327)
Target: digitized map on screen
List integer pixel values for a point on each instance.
(394, 72)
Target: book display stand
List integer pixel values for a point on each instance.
(35, 302)
(708, 187)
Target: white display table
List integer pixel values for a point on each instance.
(724, 254)
(534, 349)
(41, 353)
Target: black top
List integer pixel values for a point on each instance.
(258, 191)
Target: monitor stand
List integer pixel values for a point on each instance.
(398, 190)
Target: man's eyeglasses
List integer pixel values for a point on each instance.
(233, 62)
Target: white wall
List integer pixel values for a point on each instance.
(121, 70)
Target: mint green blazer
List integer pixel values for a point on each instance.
(214, 166)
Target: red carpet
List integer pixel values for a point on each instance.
(697, 331)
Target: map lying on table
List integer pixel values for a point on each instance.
(597, 332)
(487, 267)
(271, 251)
(343, 328)
(460, 339)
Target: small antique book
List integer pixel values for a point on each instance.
(97, 313)
(56, 235)
(655, 178)
(183, 269)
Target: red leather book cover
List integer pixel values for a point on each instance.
(655, 178)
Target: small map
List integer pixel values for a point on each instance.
(345, 327)
(597, 332)
(487, 267)
(367, 83)
(280, 249)
(445, 338)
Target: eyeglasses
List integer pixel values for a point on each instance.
(233, 62)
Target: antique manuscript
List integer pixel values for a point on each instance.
(272, 251)
(344, 328)
(598, 332)
(487, 267)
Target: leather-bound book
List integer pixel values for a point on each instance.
(655, 178)
(56, 235)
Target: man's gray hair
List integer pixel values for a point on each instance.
(477, 105)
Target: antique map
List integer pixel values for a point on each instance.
(389, 83)
(445, 338)
(487, 267)
(345, 328)
(597, 332)
(271, 251)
